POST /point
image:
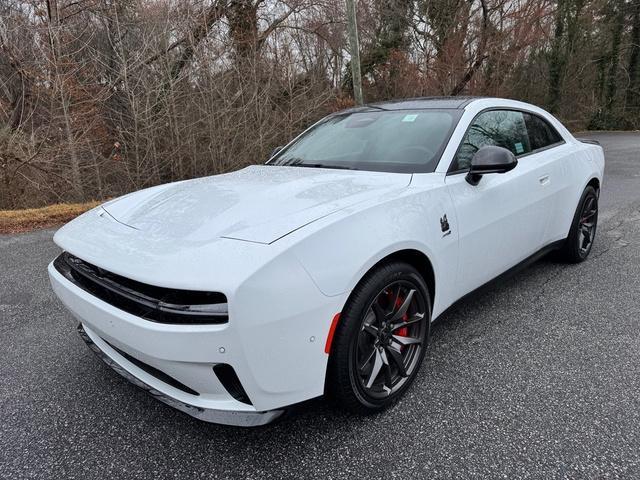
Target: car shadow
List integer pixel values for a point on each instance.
(320, 414)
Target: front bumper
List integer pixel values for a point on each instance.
(226, 417)
(275, 348)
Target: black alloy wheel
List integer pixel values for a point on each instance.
(587, 224)
(380, 340)
(578, 245)
(390, 340)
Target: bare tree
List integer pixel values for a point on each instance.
(101, 97)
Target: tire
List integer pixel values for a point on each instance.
(576, 249)
(371, 337)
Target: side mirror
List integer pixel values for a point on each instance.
(276, 151)
(490, 159)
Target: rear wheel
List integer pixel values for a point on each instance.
(583, 229)
(381, 339)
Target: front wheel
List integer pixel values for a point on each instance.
(583, 229)
(380, 340)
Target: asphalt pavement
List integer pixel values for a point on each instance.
(538, 377)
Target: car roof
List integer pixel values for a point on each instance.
(424, 103)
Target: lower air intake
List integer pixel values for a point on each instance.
(230, 381)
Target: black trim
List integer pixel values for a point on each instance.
(230, 381)
(240, 418)
(156, 304)
(425, 103)
(506, 109)
(469, 100)
(590, 141)
(542, 149)
(153, 371)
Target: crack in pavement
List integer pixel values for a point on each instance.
(622, 217)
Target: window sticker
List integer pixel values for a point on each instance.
(519, 147)
(410, 118)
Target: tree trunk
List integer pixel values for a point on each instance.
(616, 38)
(480, 53)
(243, 29)
(632, 99)
(213, 14)
(65, 98)
(354, 44)
(556, 58)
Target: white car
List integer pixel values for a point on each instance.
(235, 296)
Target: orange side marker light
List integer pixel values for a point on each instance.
(332, 330)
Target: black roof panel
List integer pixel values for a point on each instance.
(424, 103)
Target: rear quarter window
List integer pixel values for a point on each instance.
(541, 133)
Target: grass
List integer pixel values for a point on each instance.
(18, 221)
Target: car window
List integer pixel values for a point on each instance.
(501, 128)
(377, 140)
(541, 134)
(338, 146)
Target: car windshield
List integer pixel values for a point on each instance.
(390, 141)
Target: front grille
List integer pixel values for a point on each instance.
(156, 304)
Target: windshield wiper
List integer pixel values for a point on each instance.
(318, 165)
(299, 162)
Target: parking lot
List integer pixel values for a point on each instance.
(538, 377)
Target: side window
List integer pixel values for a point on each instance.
(541, 134)
(502, 128)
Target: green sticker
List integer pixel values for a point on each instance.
(519, 147)
(410, 118)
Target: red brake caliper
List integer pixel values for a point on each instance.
(404, 331)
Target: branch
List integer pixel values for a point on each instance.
(275, 24)
(481, 55)
(215, 12)
(156, 56)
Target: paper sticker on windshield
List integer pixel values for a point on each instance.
(519, 147)
(410, 118)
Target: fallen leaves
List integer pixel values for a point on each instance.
(18, 221)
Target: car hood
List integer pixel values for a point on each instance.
(257, 204)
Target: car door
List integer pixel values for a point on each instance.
(550, 151)
(503, 219)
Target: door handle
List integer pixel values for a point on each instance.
(544, 180)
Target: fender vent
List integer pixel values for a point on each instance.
(230, 381)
